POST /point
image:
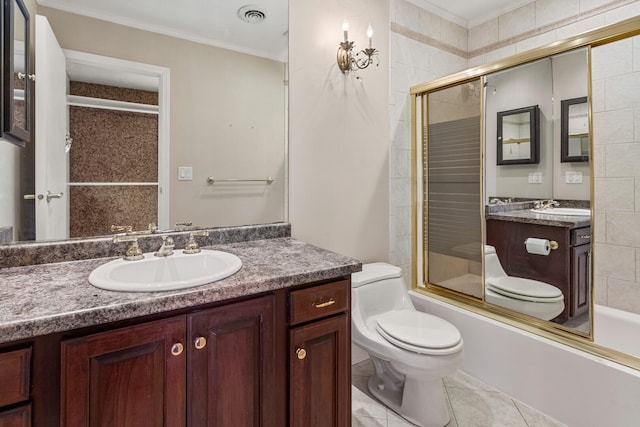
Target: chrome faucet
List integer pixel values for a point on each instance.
(167, 247)
(545, 204)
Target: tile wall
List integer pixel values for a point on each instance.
(425, 46)
(616, 128)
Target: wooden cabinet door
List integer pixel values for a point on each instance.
(126, 377)
(580, 274)
(232, 365)
(320, 374)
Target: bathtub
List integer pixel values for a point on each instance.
(572, 386)
(616, 329)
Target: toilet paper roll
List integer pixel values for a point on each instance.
(538, 246)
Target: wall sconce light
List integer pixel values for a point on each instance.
(347, 60)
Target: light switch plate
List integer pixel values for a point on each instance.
(535, 177)
(185, 173)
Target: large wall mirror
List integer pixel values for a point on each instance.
(148, 106)
(515, 241)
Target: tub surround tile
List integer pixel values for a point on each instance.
(113, 146)
(95, 208)
(615, 262)
(94, 90)
(43, 299)
(32, 253)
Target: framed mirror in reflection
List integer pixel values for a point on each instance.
(143, 137)
(518, 136)
(574, 143)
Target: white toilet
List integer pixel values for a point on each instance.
(411, 351)
(531, 297)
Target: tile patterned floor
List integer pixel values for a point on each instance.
(471, 404)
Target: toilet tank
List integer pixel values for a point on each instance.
(379, 288)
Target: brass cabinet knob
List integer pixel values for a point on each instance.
(177, 349)
(200, 343)
(301, 353)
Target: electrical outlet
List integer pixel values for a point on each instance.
(535, 177)
(185, 173)
(573, 177)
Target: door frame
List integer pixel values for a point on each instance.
(126, 71)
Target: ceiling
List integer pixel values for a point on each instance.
(217, 22)
(213, 22)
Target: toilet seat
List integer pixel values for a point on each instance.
(419, 332)
(525, 289)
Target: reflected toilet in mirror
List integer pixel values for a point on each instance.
(526, 296)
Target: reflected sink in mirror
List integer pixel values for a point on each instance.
(564, 211)
(178, 271)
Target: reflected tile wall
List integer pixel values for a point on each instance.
(95, 208)
(420, 59)
(112, 146)
(616, 69)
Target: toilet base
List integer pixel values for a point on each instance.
(421, 402)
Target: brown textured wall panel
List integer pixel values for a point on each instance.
(93, 90)
(95, 208)
(113, 146)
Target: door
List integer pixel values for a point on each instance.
(320, 374)
(130, 377)
(232, 365)
(51, 190)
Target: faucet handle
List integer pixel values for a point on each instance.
(192, 246)
(167, 247)
(121, 228)
(134, 252)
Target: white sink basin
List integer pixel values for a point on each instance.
(178, 271)
(564, 211)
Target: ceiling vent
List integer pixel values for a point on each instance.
(252, 14)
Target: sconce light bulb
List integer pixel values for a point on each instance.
(369, 31)
(345, 29)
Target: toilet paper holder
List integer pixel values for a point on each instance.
(553, 245)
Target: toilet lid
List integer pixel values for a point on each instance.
(419, 332)
(525, 289)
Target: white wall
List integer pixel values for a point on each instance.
(339, 130)
(227, 118)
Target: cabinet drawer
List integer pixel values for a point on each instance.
(580, 236)
(16, 417)
(319, 301)
(15, 367)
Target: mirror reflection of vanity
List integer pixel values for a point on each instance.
(226, 119)
(535, 217)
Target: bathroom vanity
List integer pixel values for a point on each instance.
(268, 346)
(566, 267)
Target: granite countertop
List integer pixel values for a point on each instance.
(529, 217)
(48, 298)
